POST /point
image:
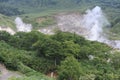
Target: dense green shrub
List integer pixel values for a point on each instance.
(34, 52)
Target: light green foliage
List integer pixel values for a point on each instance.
(25, 40)
(116, 60)
(63, 36)
(38, 22)
(19, 60)
(116, 28)
(70, 69)
(35, 9)
(4, 36)
(50, 49)
(70, 47)
(37, 77)
(39, 6)
(6, 21)
(34, 53)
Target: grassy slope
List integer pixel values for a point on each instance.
(6, 21)
(34, 12)
(27, 72)
(110, 7)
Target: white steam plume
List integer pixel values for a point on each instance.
(94, 20)
(89, 25)
(21, 26)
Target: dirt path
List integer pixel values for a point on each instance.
(5, 74)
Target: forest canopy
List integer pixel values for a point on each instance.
(61, 53)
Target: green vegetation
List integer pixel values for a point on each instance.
(33, 10)
(67, 55)
(9, 11)
(70, 69)
(6, 21)
(38, 22)
(34, 6)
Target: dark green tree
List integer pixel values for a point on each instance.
(50, 49)
(5, 36)
(70, 48)
(70, 69)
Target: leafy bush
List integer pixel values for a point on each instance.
(34, 53)
(70, 69)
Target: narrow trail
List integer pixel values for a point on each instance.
(6, 74)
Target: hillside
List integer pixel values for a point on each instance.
(34, 53)
(36, 8)
(6, 21)
(29, 6)
(59, 39)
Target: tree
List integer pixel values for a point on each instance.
(63, 36)
(70, 48)
(24, 40)
(5, 36)
(70, 69)
(50, 48)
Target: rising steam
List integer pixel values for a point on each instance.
(94, 20)
(89, 25)
(21, 26)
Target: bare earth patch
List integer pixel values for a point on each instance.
(6, 74)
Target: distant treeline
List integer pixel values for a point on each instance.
(4, 0)
(10, 11)
(13, 7)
